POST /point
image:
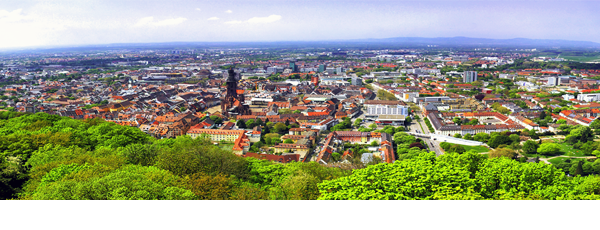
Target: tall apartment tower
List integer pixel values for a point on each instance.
(293, 66)
(470, 76)
(552, 81)
(322, 68)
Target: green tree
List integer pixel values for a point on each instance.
(497, 140)
(130, 183)
(456, 149)
(468, 136)
(336, 156)
(140, 154)
(250, 123)
(357, 122)
(457, 121)
(502, 152)
(594, 125)
(482, 137)
(241, 124)
(284, 111)
(549, 149)
(542, 115)
(216, 119)
(279, 128)
(473, 122)
(367, 184)
(515, 138)
(530, 147)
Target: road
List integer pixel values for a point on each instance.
(431, 144)
(413, 127)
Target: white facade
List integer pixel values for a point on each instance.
(376, 110)
(552, 81)
(567, 97)
(589, 97)
(409, 96)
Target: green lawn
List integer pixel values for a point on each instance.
(478, 149)
(582, 58)
(568, 150)
(558, 160)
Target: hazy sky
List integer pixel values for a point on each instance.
(26, 23)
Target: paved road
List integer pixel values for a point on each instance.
(413, 127)
(431, 144)
(545, 160)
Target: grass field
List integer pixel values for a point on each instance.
(582, 58)
(558, 160)
(479, 149)
(568, 150)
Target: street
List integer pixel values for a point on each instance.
(431, 144)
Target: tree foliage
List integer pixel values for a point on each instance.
(463, 177)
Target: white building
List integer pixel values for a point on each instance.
(375, 110)
(567, 97)
(552, 81)
(589, 97)
(409, 96)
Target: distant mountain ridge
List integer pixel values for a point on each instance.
(373, 43)
(467, 41)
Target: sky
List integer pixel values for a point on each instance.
(46, 23)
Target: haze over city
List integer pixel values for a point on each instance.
(30, 23)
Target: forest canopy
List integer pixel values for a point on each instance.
(48, 157)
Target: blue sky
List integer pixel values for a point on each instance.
(26, 23)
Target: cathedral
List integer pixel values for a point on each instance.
(233, 102)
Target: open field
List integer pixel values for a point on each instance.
(582, 58)
(568, 150)
(558, 160)
(478, 149)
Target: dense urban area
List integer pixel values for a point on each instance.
(300, 123)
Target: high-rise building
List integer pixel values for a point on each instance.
(470, 76)
(321, 68)
(552, 81)
(357, 81)
(293, 66)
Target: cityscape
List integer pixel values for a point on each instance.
(403, 117)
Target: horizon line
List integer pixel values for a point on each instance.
(42, 47)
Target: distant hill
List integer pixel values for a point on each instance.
(466, 41)
(372, 43)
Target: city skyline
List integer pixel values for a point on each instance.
(64, 23)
